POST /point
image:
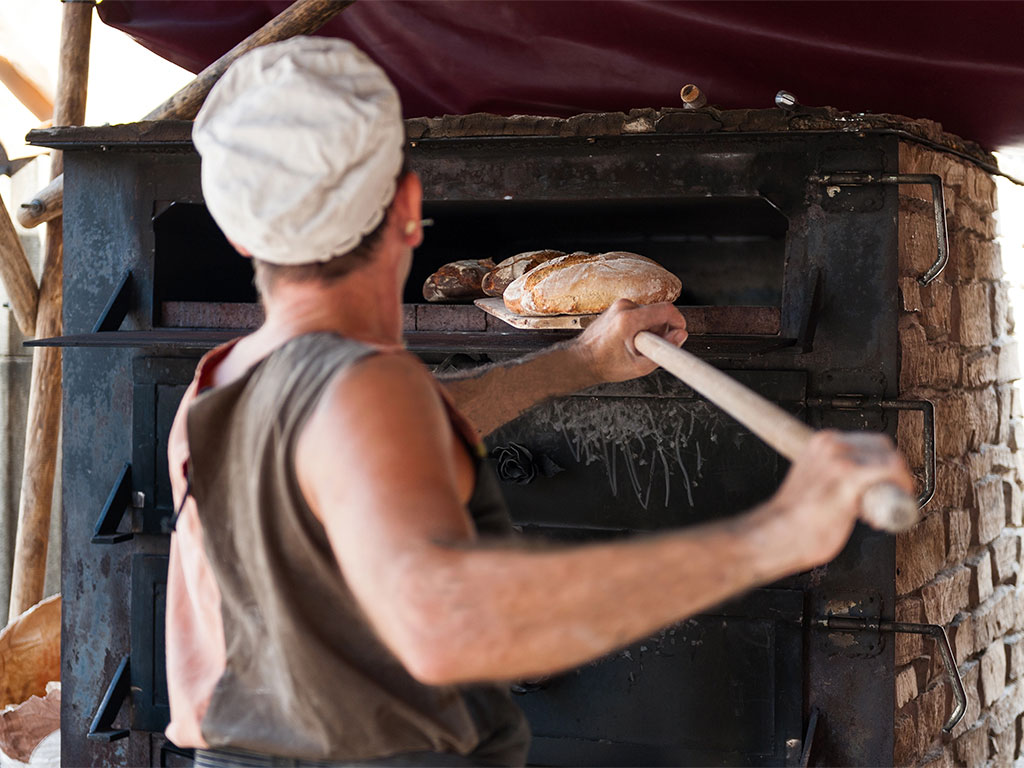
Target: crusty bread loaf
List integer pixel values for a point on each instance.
(457, 281)
(588, 283)
(498, 279)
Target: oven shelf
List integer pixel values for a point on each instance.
(701, 320)
(416, 341)
(430, 328)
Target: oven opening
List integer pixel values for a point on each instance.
(194, 267)
(726, 251)
(729, 254)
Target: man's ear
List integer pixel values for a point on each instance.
(407, 208)
(239, 248)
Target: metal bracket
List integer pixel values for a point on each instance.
(118, 306)
(857, 403)
(812, 725)
(113, 698)
(118, 501)
(938, 206)
(809, 319)
(167, 749)
(935, 631)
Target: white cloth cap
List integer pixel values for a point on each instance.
(301, 144)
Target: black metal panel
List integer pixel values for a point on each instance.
(151, 709)
(99, 229)
(635, 460)
(106, 196)
(852, 684)
(648, 455)
(160, 383)
(722, 688)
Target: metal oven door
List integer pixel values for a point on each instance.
(722, 688)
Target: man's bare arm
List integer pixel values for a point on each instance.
(495, 394)
(378, 464)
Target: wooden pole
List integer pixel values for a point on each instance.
(44, 401)
(17, 276)
(302, 17)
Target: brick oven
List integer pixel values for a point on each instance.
(815, 270)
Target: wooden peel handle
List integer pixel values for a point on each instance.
(884, 506)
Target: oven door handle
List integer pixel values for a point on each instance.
(834, 181)
(934, 631)
(927, 409)
(884, 506)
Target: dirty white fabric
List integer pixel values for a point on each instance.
(301, 144)
(45, 755)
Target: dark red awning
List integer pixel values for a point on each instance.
(959, 63)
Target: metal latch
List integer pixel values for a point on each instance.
(938, 206)
(935, 631)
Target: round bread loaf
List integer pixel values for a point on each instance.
(498, 279)
(588, 283)
(457, 281)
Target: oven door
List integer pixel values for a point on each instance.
(722, 688)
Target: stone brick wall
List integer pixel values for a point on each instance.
(961, 565)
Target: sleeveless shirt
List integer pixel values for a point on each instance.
(305, 675)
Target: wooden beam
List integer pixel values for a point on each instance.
(17, 276)
(302, 17)
(41, 439)
(73, 71)
(26, 90)
(44, 401)
(47, 205)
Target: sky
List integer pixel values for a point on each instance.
(125, 79)
(1011, 234)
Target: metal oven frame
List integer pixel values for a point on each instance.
(833, 361)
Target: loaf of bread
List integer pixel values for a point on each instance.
(457, 281)
(498, 279)
(588, 283)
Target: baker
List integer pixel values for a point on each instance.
(342, 587)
